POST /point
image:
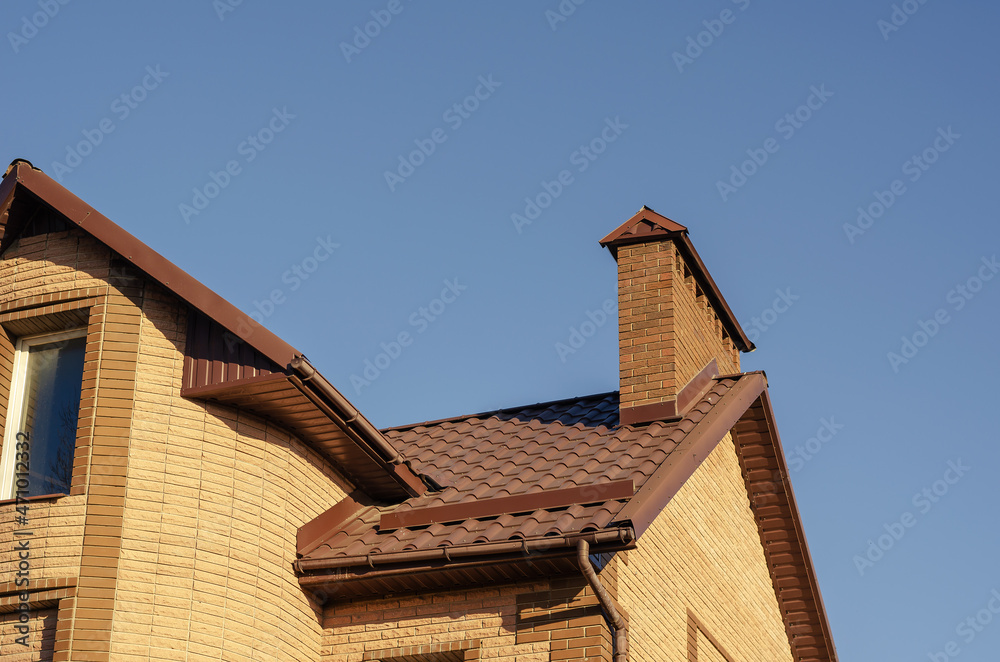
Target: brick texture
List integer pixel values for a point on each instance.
(182, 516)
(667, 329)
(703, 553)
(41, 637)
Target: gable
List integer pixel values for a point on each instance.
(230, 358)
(702, 555)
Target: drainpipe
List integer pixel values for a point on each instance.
(618, 625)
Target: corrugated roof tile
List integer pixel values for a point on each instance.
(526, 450)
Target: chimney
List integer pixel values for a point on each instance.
(675, 329)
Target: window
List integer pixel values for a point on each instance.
(43, 409)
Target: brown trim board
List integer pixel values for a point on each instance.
(772, 501)
(681, 464)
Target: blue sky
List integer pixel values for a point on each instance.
(835, 101)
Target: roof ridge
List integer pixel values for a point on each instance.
(494, 412)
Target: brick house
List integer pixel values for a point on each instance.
(196, 490)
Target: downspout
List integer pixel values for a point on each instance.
(618, 625)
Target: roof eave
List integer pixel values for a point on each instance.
(412, 569)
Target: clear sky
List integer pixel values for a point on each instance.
(368, 174)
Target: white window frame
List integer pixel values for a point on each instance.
(15, 402)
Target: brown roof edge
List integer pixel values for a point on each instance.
(543, 500)
(172, 277)
(681, 464)
(797, 522)
(622, 537)
(665, 230)
(353, 420)
(312, 534)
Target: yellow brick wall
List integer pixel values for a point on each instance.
(489, 615)
(30, 267)
(41, 636)
(703, 553)
(213, 501)
(56, 541)
(190, 539)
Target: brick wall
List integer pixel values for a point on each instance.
(667, 330)
(702, 554)
(184, 513)
(41, 637)
(558, 619)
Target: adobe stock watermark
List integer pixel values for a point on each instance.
(580, 334)
(924, 502)
(827, 430)
(582, 158)
(914, 168)
(223, 7)
(30, 25)
(294, 276)
(959, 296)
(454, 116)
(786, 126)
(421, 320)
(249, 149)
(562, 12)
(122, 108)
(899, 16)
(969, 628)
(364, 34)
(766, 319)
(714, 27)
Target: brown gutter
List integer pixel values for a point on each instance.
(621, 537)
(618, 625)
(356, 425)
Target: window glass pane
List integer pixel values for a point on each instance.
(54, 375)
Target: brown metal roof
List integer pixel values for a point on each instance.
(553, 453)
(646, 226)
(541, 451)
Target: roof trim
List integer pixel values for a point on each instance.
(543, 500)
(773, 499)
(622, 537)
(399, 482)
(159, 268)
(312, 534)
(647, 226)
(681, 464)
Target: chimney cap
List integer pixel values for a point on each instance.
(646, 225)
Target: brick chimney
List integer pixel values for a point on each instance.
(675, 329)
